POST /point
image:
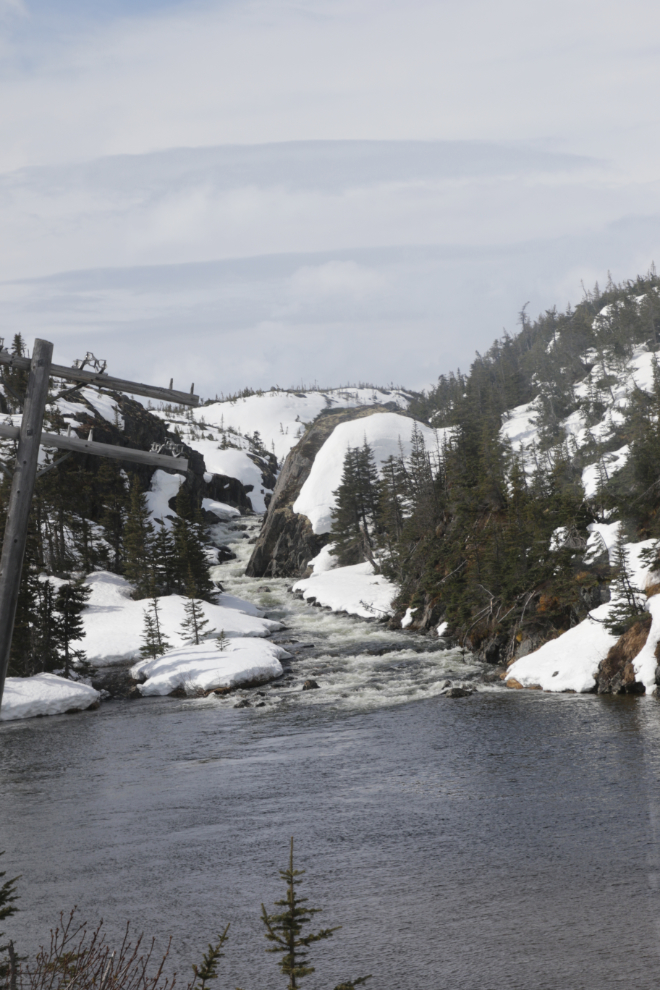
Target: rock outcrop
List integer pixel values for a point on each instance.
(287, 542)
(616, 673)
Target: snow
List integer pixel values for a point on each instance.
(407, 620)
(204, 668)
(233, 464)
(519, 425)
(646, 661)
(570, 662)
(164, 486)
(113, 622)
(44, 694)
(220, 509)
(356, 589)
(602, 536)
(388, 434)
(278, 416)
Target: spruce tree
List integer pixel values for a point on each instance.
(284, 930)
(8, 896)
(70, 602)
(154, 642)
(356, 508)
(138, 544)
(626, 600)
(192, 569)
(194, 623)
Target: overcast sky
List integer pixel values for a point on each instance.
(255, 193)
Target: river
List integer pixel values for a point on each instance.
(505, 840)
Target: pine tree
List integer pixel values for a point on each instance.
(114, 503)
(154, 642)
(138, 544)
(208, 970)
(192, 570)
(626, 600)
(285, 931)
(8, 896)
(194, 623)
(356, 508)
(69, 604)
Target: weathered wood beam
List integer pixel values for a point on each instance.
(63, 442)
(106, 381)
(20, 497)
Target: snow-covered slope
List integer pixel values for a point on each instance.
(356, 589)
(114, 622)
(235, 436)
(388, 435)
(571, 661)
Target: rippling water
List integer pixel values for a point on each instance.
(506, 840)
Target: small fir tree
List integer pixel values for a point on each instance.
(138, 544)
(284, 931)
(70, 601)
(208, 970)
(627, 600)
(194, 623)
(154, 643)
(8, 896)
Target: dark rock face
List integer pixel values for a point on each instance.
(141, 429)
(287, 543)
(616, 674)
(310, 685)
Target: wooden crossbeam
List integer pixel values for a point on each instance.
(64, 442)
(105, 381)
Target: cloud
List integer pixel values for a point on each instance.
(319, 189)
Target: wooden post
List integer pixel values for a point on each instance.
(20, 498)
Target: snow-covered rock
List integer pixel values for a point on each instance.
(44, 694)
(242, 663)
(113, 622)
(356, 589)
(388, 434)
(570, 662)
(164, 486)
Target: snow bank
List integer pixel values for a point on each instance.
(388, 434)
(356, 590)
(44, 694)
(645, 662)
(570, 662)
(204, 667)
(114, 622)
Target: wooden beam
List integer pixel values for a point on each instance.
(106, 381)
(63, 442)
(20, 497)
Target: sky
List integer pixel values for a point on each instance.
(295, 192)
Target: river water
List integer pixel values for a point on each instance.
(505, 840)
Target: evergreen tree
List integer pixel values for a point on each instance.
(356, 507)
(627, 601)
(192, 569)
(154, 642)
(70, 602)
(8, 896)
(138, 544)
(114, 503)
(284, 931)
(194, 623)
